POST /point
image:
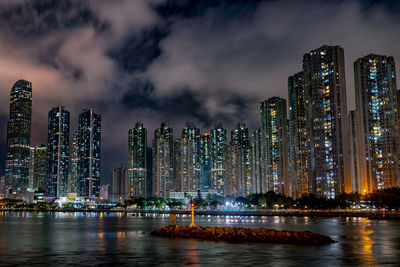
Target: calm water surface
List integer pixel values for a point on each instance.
(92, 239)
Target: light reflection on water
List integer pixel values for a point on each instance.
(122, 238)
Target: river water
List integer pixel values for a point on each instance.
(99, 239)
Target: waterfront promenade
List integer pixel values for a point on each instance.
(222, 212)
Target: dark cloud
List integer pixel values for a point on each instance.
(175, 60)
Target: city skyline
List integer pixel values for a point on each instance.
(60, 76)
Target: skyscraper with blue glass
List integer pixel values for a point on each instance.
(89, 153)
(58, 151)
(377, 117)
(19, 137)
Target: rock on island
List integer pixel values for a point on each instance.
(236, 234)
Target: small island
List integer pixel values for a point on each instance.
(236, 234)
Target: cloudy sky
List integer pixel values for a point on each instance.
(175, 60)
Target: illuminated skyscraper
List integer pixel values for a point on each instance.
(163, 157)
(299, 137)
(218, 150)
(39, 167)
(238, 180)
(205, 162)
(73, 182)
(137, 171)
(190, 158)
(89, 153)
(177, 172)
(58, 151)
(256, 162)
(377, 114)
(19, 136)
(324, 78)
(353, 152)
(274, 140)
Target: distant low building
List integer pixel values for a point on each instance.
(2, 186)
(104, 192)
(118, 191)
(185, 196)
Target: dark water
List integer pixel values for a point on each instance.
(70, 239)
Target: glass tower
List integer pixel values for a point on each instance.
(58, 151)
(377, 114)
(89, 153)
(137, 169)
(19, 137)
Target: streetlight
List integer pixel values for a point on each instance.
(192, 206)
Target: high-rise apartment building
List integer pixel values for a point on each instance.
(299, 136)
(325, 86)
(58, 151)
(378, 129)
(353, 152)
(217, 151)
(238, 180)
(19, 137)
(39, 167)
(274, 144)
(89, 153)
(73, 182)
(163, 157)
(137, 169)
(190, 159)
(256, 162)
(205, 162)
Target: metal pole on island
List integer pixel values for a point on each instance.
(192, 206)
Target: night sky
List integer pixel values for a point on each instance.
(177, 60)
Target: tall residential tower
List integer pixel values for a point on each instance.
(58, 151)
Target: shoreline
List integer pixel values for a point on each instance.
(387, 215)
